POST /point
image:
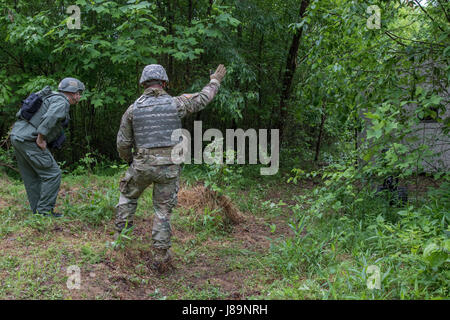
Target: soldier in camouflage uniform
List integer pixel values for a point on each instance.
(39, 170)
(144, 141)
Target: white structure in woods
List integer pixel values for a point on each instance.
(430, 132)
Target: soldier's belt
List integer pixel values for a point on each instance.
(158, 152)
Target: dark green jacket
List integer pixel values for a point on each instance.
(47, 121)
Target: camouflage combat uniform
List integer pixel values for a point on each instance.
(154, 165)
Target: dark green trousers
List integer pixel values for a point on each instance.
(40, 173)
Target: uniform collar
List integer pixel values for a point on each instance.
(63, 95)
(154, 92)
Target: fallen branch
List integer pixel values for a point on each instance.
(8, 166)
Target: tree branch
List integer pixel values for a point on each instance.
(19, 63)
(397, 41)
(422, 42)
(426, 13)
(445, 12)
(8, 166)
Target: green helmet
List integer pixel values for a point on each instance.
(154, 72)
(71, 85)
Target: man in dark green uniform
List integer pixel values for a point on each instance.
(39, 170)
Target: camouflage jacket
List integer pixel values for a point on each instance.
(186, 104)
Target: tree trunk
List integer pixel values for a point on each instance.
(208, 13)
(260, 81)
(171, 22)
(289, 72)
(190, 12)
(188, 63)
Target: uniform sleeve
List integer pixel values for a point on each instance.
(189, 103)
(125, 136)
(57, 111)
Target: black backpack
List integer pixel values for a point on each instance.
(30, 106)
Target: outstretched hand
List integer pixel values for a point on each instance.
(220, 73)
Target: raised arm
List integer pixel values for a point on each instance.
(189, 103)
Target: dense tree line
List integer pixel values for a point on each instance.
(307, 67)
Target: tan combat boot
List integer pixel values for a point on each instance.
(162, 260)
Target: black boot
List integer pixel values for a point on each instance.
(51, 213)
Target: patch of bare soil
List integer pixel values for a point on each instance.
(72, 192)
(3, 204)
(127, 274)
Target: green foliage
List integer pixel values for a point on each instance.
(210, 224)
(97, 207)
(357, 98)
(85, 165)
(39, 222)
(343, 70)
(221, 177)
(7, 158)
(124, 237)
(37, 48)
(91, 255)
(344, 231)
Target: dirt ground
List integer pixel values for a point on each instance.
(218, 266)
(113, 277)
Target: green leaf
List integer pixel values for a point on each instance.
(434, 255)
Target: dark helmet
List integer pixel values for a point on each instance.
(71, 85)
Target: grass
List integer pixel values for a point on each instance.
(337, 251)
(37, 250)
(292, 245)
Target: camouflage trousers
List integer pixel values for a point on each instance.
(165, 179)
